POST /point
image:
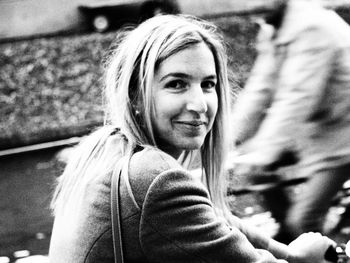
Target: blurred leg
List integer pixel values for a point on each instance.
(277, 201)
(312, 204)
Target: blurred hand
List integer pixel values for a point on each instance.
(309, 248)
(264, 36)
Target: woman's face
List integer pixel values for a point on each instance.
(185, 99)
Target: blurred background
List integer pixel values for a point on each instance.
(51, 58)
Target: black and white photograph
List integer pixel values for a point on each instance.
(174, 131)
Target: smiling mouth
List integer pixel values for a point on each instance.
(194, 123)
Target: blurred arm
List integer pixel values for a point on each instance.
(301, 86)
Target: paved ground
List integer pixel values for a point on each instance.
(26, 185)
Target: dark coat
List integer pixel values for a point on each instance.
(167, 216)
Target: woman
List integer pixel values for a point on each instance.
(167, 98)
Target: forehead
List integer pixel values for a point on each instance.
(193, 59)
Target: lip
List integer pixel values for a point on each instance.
(194, 123)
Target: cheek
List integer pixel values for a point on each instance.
(165, 107)
(160, 108)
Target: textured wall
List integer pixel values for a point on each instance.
(50, 88)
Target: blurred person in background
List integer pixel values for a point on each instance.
(167, 97)
(297, 99)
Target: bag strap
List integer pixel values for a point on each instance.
(115, 212)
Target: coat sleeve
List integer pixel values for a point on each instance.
(258, 239)
(178, 224)
(300, 90)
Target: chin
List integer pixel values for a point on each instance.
(193, 145)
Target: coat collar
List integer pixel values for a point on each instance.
(299, 15)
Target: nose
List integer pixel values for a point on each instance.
(197, 100)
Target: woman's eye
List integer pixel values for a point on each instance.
(209, 85)
(176, 84)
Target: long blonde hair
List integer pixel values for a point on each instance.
(129, 104)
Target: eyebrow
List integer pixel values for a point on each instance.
(184, 75)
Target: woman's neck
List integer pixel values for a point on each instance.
(175, 153)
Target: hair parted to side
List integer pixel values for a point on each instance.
(129, 93)
(130, 74)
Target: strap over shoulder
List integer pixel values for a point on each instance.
(115, 209)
